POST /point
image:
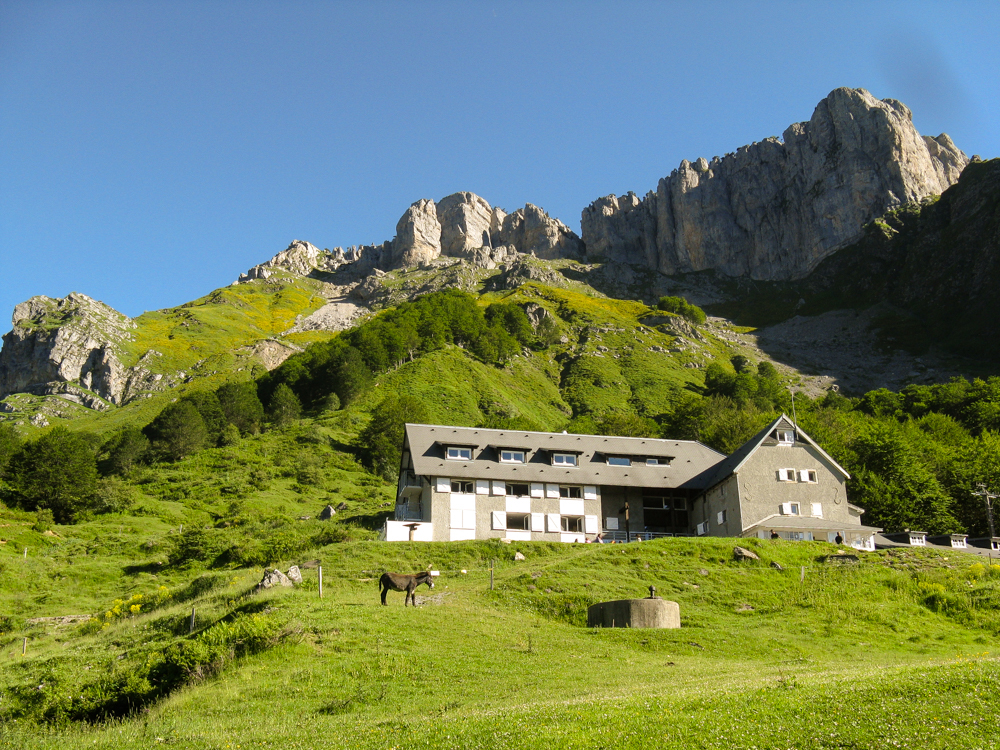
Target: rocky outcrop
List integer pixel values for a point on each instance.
(775, 209)
(418, 236)
(466, 221)
(534, 232)
(60, 341)
(461, 225)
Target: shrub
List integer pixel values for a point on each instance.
(178, 431)
(114, 495)
(680, 306)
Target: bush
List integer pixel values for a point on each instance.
(680, 306)
(241, 406)
(114, 495)
(125, 450)
(44, 520)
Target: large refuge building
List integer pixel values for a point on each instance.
(458, 483)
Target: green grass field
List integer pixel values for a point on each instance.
(898, 650)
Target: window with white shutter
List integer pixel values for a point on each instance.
(538, 522)
(817, 510)
(589, 492)
(786, 475)
(442, 484)
(537, 489)
(590, 524)
(702, 528)
(611, 523)
(552, 522)
(499, 488)
(552, 490)
(499, 519)
(482, 486)
(720, 517)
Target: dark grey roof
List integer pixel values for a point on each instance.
(689, 459)
(806, 523)
(736, 459)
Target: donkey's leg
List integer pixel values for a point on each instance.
(385, 591)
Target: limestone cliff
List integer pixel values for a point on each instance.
(775, 209)
(55, 342)
(461, 225)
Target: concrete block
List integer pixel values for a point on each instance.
(635, 613)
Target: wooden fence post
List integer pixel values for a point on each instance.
(802, 574)
(191, 624)
(320, 581)
(24, 647)
(491, 575)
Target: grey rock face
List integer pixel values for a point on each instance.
(775, 209)
(295, 575)
(465, 224)
(299, 257)
(418, 236)
(58, 341)
(534, 232)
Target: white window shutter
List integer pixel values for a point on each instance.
(499, 519)
(803, 475)
(702, 528)
(537, 489)
(786, 509)
(552, 490)
(552, 522)
(443, 484)
(469, 519)
(499, 488)
(818, 510)
(611, 523)
(482, 486)
(538, 522)
(589, 493)
(720, 517)
(590, 524)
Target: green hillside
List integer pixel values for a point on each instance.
(900, 646)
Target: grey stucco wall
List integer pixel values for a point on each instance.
(762, 493)
(726, 497)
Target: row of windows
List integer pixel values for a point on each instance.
(514, 456)
(522, 522)
(799, 475)
(467, 487)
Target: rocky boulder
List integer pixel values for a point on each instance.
(774, 209)
(273, 578)
(742, 553)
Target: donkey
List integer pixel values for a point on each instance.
(403, 582)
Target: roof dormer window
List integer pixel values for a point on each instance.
(564, 459)
(785, 437)
(459, 453)
(657, 461)
(508, 456)
(619, 461)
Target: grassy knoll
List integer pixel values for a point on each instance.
(900, 648)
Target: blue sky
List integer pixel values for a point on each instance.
(150, 152)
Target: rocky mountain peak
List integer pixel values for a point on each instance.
(776, 208)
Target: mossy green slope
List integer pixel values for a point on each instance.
(899, 646)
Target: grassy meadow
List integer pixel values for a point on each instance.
(899, 649)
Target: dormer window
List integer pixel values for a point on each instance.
(785, 437)
(511, 457)
(459, 453)
(657, 461)
(564, 459)
(619, 461)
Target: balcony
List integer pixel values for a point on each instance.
(409, 485)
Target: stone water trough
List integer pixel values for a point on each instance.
(652, 612)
